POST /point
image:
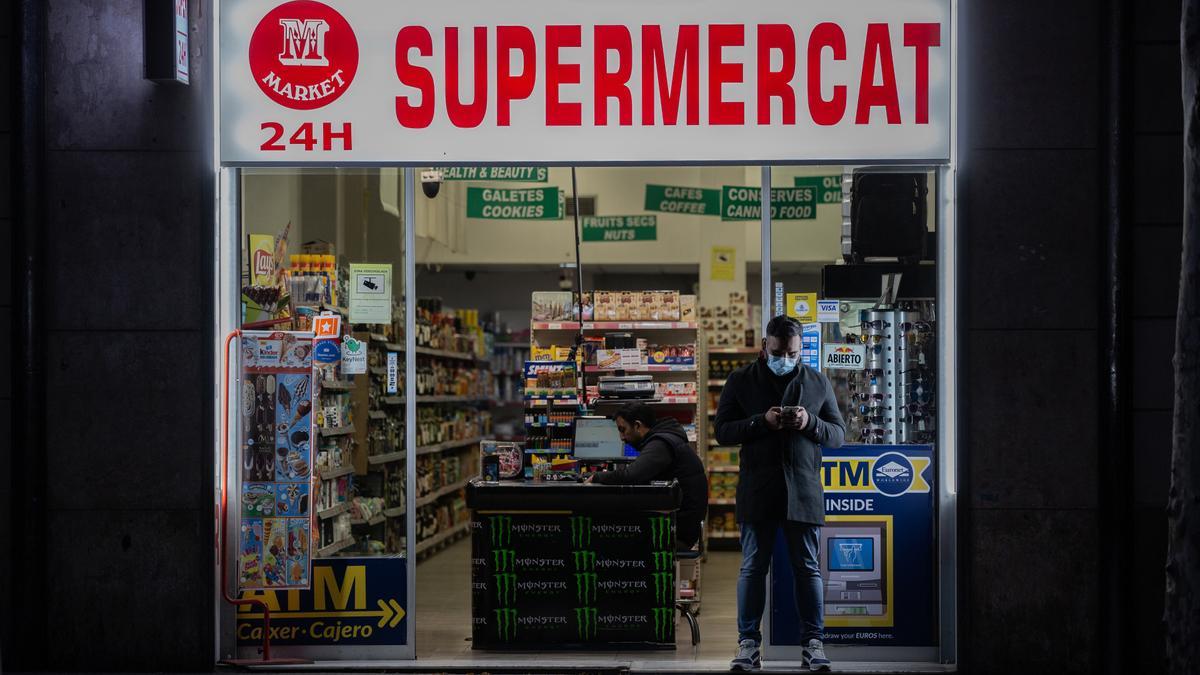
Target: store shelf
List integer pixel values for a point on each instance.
(542, 400)
(337, 385)
(438, 538)
(335, 547)
(615, 325)
(392, 400)
(648, 368)
(448, 445)
(723, 469)
(375, 520)
(549, 425)
(385, 458)
(337, 431)
(378, 337)
(733, 350)
(393, 347)
(333, 511)
(394, 512)
(716, 383)
(444, 354)
(376, 415)
(511, 345)
(547, 451)
(330, 474)
(727, 501)
(452, 399)
(724, 535)
(442, 492)
(674, 400)
(712, 412)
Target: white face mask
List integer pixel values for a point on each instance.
(781, 365)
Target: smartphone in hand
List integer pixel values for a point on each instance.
(790, 415)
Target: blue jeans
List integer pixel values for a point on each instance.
(803, 543)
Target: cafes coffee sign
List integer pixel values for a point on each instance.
(308, 82)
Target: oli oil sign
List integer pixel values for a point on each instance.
(353, 601)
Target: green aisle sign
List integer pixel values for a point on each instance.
(528, 174)
(787, 203)
(829, 188)
(688, 200)
(620, 228)
(502, 204)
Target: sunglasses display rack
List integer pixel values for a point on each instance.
(892, 398)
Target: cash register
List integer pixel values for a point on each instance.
(598, 443)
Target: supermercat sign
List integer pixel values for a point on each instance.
(528, 81)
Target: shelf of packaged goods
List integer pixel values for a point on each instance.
(448, 445)
(547, 451)
(549, 425)
(722, 501)
(333, 511)
(394, 512)
(392, 400)
(337, 431)
(438, 538)
(511, 345)
(378, 337)
(543, 400)
(376, 415)
(615, 325)
(452, 399)
(338, 386)
(724, 535)
(373, 521)
(335, 547)
(337, 472)
(733, 350)
(386, 458)
(674, 400)
(509, 404)
(716, 383)
(393, 347)
(441, 492)
(647, 368)
(445, 354)
(723, 469)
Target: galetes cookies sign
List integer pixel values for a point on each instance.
(472, 81)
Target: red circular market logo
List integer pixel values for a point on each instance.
(303, 54)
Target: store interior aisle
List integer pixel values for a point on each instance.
(444, 610)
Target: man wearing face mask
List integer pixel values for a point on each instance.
(779, 481)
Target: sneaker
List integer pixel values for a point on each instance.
(748, 656)
(814, 657)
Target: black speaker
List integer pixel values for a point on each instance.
(887, 217)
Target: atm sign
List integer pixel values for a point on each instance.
(844, 357)
(902, 473)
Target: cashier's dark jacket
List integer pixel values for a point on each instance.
(779, 472)
(662, 455)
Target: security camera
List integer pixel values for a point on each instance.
(431, 182)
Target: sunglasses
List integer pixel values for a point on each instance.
(878, 324)
(863, 419)
(868, 434)
(924, 437)
(918, 326)
(864, 396)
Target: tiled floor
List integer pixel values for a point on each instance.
(444, 612)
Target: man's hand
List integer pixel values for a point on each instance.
(774, 418)
(800, 421)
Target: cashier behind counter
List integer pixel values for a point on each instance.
(663, 454)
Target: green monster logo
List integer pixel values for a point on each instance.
(664, 587)
(585, 561)
(585, 622)
(506, 588)
(500, 528)
(581, 531)
(664, 561)
(585, 587)
(506, 624)
(660, 532)
(504, 560)
(664, 623)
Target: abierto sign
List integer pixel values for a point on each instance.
(377, 81)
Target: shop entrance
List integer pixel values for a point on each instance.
(451, 274)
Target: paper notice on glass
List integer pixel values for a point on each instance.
(370, 293)
(354, 356)
(724, 261)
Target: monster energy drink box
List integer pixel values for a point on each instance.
(579, 578)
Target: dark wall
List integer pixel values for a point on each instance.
(7, 71)
(1157, 217)
(127, 340)
(1031, 181)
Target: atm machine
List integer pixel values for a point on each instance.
(854, 567)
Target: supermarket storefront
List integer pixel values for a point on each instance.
(372, 86)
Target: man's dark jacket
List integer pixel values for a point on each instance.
(665, 454)
(779, 472)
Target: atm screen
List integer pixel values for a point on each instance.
(851, 554)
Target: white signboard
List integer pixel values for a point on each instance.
(354, 356)
(529, 81)
(828, 311)
(844, 357)
(182, 67)
(370, 293)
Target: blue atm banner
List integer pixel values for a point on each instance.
(876, 550)
(352, 602)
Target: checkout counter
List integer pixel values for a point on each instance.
(572, 565)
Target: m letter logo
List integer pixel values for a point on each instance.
(304, 42)
(303, 54)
